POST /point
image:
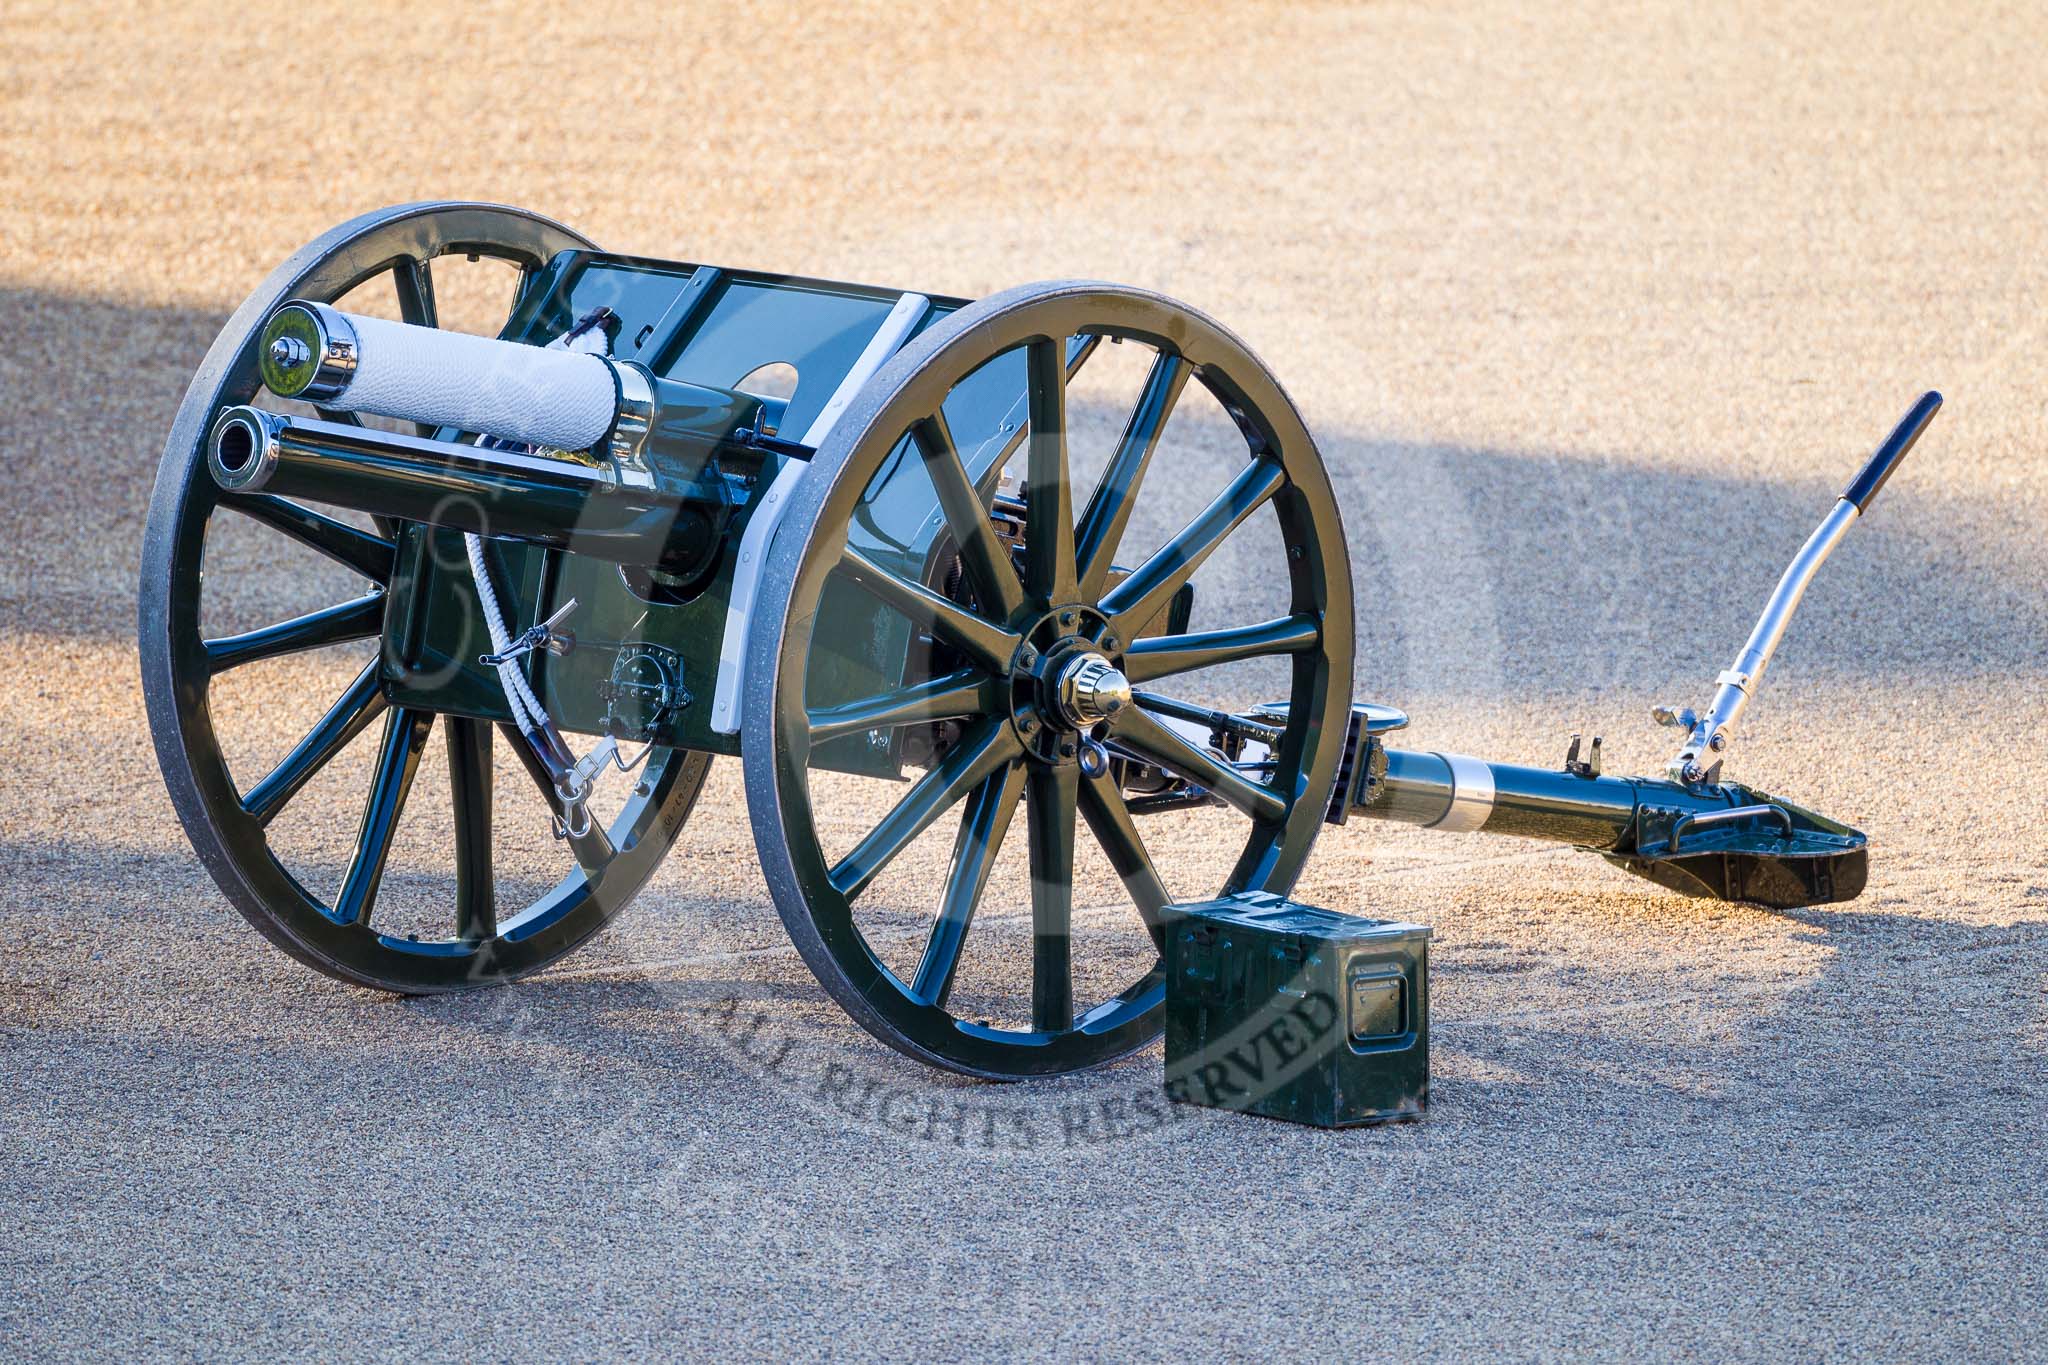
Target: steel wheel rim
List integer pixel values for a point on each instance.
(176, 671)
(806, 554)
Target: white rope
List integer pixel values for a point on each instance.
(526, 708)
(527, 712)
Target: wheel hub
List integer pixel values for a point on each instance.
(1088, 689)
(1065, 682)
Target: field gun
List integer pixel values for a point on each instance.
(603, 540)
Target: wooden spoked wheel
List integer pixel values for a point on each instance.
(228, 819)
(1039, 660)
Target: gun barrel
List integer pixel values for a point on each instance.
(553, 502)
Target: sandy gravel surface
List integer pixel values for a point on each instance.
(1592, 317)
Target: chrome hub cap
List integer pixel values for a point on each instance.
(1088, 690)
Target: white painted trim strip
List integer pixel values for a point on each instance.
(887, 341)
(1471, 795)
(760, 533)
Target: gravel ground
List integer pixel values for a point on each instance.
(1592, 317)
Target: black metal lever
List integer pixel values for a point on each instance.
(1863, 489)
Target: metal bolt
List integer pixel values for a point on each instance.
(1066, 618)
(1719, 741)
(1109, 643)
(1295, 553)
(1067, 748)
(1028, 724)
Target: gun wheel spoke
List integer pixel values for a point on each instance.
(931, 796)
(982, 830)
(1102, 802)
(989, 645)
(1048, 494)
(1116, 496)
(1140, 599)
(981, 551)
(398, 760)
(337, 625)
(369, 555)
(1163, 656)
(968, 692)
(1137, 730)
(347, 718)
(469, 782)
(1052, 793)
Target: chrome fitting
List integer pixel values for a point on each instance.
(628, 436)
(1090, 690)
(241, 452)
(308, 351)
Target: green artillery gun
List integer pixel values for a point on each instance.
(593, 531)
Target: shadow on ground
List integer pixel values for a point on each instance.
(1662, 564)
(1859, 1017)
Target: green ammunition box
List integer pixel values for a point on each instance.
(1296, 1013)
